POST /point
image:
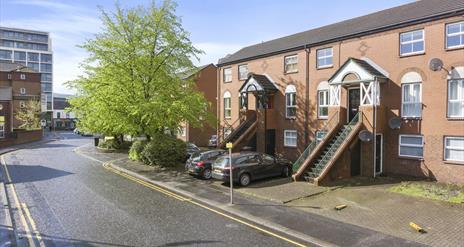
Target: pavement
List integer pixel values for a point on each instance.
(60, 196)
(309, 227)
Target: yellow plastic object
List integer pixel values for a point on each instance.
(340, 207)
(417, 227)
(229, 145)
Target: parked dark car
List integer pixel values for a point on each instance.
(250, 166)
(213, 141)
(199, 164)
(191, 149)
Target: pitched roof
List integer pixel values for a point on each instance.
(365, 65)
(403, 15)
(186, 74)
(263, 81)
(9, 67)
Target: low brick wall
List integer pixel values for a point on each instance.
(20, 137)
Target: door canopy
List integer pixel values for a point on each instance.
(356, 71)
(261, 84)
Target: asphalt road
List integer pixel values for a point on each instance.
(74, 201)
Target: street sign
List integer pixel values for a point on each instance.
(43, 122)
(229, 145)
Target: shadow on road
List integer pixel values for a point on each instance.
(25, 173)
(51, 145)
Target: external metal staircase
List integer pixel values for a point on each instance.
(238, 134)
(320, 155)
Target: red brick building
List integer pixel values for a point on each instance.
(309, 95)
(205, 78)
(18, 85)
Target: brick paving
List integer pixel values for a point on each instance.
(374, 207)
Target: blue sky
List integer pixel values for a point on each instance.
(218, 27)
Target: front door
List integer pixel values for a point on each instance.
(378, 153)
(270, 141)
(354, 100)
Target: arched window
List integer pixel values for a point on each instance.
(411, 99)
(290, 101)
(227, 105)
(323, 100)
(456, 93)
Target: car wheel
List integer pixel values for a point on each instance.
(207, 174)
(285, 172)
(244, 179)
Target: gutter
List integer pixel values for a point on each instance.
(349, 36)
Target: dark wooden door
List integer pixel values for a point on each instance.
(270, 141)
(354, 100)
(378, 154)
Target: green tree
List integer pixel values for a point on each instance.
(132, 82)
(29, 115)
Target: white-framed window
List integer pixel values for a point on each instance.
(454, 148)
(22, 90)
(243, 72)
(2, 130)
(9, 76)
(227, 105)
(290, 101)
(455, 35)
(412, 42)
(22, 104)
(323, 103)
(290, 138)
(291, 64)
(324, 57)
(456, 98)
(411, 103)
(227, 74)
(22, 76)
(183, 131)
(411, 146)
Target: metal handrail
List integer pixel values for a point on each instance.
(241, 126)
(312, 146)
(230, 126)
(345, 131)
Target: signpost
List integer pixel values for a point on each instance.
(231, 183)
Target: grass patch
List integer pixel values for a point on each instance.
(442, 192)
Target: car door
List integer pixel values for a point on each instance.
(253, 166)
(269, 165)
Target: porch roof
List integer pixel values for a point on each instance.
(261, 83)
(363, 69)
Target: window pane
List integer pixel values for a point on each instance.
(414, 140)
(453, 28)
(5, 55)
(454, 155)
(411, 151)
(453, 41)
(20, 55)
(455, 142)
(406, 37)
(46, 77)
(45, 67)
(418, 46)
(406, 48)
(45, 58)
(34, 66)
(32, 57)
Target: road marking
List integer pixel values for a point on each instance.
(181, 198)
(18, 206)
(34, 227)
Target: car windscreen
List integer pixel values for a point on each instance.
(196, 156)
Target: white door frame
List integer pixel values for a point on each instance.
(381, 154)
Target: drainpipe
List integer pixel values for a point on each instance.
(306, 124)
(374, 127)
(218, 104)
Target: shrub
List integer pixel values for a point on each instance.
(164, 150)
(113, 144)
(135, 152)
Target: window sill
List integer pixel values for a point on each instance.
(290, 118)
(290, 146)
(411, 158)
(452, 162)
(227, 82)
(455, 118)
(454, 48)
(325, 67)
(411, 118)
(323, 118)
(290, 72)
(412, 54)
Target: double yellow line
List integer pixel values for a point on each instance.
(185, 199)
(22, 210)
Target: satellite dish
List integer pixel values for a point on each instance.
(435, 64)
(365, 136)
(394, 123)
